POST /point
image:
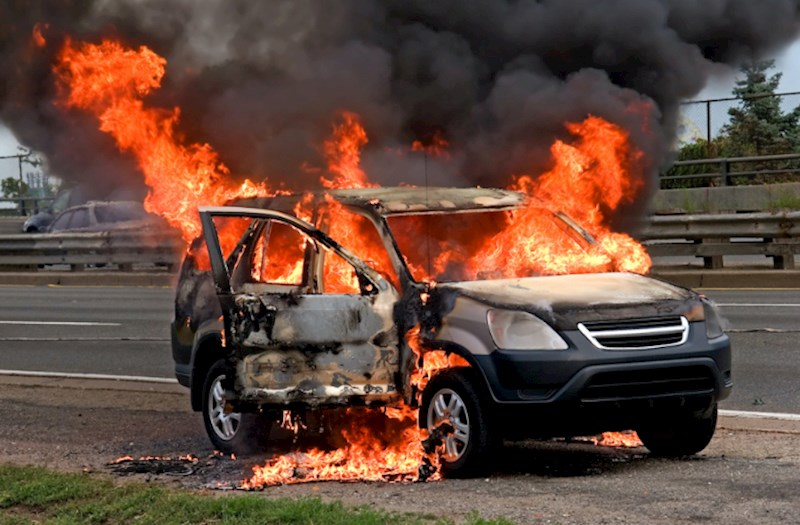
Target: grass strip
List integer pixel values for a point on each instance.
(31, 495)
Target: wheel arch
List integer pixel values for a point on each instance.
(479, 374)
(208, 349)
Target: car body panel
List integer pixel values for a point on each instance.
(300, 346)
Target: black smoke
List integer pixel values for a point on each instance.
(262, 82)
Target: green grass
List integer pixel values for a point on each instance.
(784, 201)
(35, 495)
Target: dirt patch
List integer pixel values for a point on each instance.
(745, 475)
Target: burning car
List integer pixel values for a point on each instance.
(381, 297)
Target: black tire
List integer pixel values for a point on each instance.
(679, 434)
(232, 433)
(470, 445)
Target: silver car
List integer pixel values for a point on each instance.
(335, 299)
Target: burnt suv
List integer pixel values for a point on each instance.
(308, 302)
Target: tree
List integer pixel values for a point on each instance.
(758, 125)
(13, 188)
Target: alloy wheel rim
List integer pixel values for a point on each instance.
(446, 406)
(225, 425)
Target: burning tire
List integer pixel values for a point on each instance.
(451, 403)
(682, 434)
(232, 432)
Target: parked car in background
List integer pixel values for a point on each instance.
(76, 196)
(273, 312)
(40, 221)
(102, 216)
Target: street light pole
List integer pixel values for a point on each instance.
(21, 157)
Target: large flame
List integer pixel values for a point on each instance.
(590, 178)
(385, 445)
(110, 80)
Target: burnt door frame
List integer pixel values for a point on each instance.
(371, 284)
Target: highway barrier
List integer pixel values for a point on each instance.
(125, 250)
(710, 236)
(713, 236)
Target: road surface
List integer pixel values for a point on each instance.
(125, 331)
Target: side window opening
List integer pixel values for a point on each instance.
(361, 237)
(230, 232)
(63, 222)
(80, 219)
(339, 276)
(279, 255)
(270, 253)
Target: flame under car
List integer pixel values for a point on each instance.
(309, 302)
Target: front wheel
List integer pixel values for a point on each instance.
(680, 434)
(230, 432)
(452, 401)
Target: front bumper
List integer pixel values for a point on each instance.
(585, 375)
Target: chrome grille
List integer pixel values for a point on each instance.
(637, 334)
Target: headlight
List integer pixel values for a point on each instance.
(714, 321)
(514, 330)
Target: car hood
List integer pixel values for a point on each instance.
(565, 300)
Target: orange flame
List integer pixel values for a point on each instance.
(436, 146)
(628, 439)
(110, 81)
(429, 362)
(38, 35)
(343, 151)
(590, 179)
(380, 446)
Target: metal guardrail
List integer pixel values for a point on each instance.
(727, 172)
(775, 235)
(125, 250)
(28, 205)
(712, 237)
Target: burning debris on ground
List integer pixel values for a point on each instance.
(180, 466)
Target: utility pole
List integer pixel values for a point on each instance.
(21, 157)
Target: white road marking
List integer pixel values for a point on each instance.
(759, 415)
(110, 377)
(755, 305)
(60, 323)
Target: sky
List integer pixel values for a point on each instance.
(787, 62)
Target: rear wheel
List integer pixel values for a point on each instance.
(679, 434)
(230, 432)
(452, 402)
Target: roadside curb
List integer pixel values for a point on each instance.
(34, 380)
(757, 424)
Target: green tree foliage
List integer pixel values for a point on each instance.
(758, 126)
(13, 188)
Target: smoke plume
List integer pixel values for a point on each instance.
(262, 82)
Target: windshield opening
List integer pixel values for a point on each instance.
(493, 244)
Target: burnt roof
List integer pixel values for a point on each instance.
(398, 200)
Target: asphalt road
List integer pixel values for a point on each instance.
(118, 330)
(125, 331)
